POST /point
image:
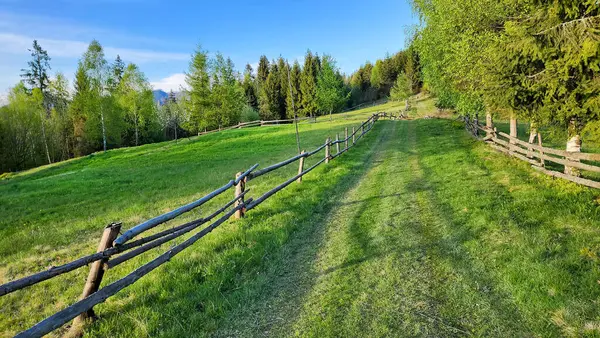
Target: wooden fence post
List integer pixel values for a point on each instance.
(513, 128)
(362, 129)
(337, 143)
(327, 150)
(346, 136)
(301, 167)
(353, 135)
(239, 189)
(95, 275)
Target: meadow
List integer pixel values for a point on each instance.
(419, 230)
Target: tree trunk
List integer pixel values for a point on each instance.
(103, 127)
(573, 146)
(513, 127)
(175, 132)
(488, 120)
(136, 129)
(44, 136)
(330, 118)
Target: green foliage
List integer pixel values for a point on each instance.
(331, 94)
(402, 89)
(249, 114)
(227, 95)
(270, 100)
(536, 59)
(294, 98)
(36, 76)
(308, 85)
(249, 85)
(197, 96)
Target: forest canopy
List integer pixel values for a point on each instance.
(111, 103)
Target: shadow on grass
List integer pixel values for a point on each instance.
(229, 283)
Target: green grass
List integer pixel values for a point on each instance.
(418, 231)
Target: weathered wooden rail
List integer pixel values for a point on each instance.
(257, 123)
(111, 244)
(536, 154)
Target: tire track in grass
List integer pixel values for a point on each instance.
(289, 273)
(375, 278)
(467, 296)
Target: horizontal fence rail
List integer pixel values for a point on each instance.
(536, 154)
(126, 247)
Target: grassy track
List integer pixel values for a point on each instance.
(418, 231)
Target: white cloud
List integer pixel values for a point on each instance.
(18, 44)
(174, 82)
(3, 99)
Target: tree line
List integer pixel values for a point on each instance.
(534, 60)
(111, 104)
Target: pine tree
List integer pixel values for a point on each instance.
(293, 97)
(249, 85)
(283, 67)
(37, 73)
(270, 100)
(117, 70)
(198, 94)
(227, 95)
(263, 70)
(308, 85)
(37, 77)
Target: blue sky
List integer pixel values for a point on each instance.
(160, 35)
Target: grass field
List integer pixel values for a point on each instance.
(418, 231)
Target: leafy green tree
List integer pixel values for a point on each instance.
(62, 128)
(227, 95)
(95, 66)
(198, 95)
(135, 97)
(330, 88)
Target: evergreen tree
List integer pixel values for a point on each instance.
(227, 95)
(78, 110)
(270, 100)
(249, 85)
(117, 71)
(308, 85)
(37, 74)
(293, 96)
(198, 95)
(263, 70)
(37, 77)
(283, 67)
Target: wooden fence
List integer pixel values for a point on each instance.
(257, 123)
(111, 244)
(536, 154)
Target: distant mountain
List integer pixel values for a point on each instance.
(160, 96)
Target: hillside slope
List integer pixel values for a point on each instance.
(418, 231)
